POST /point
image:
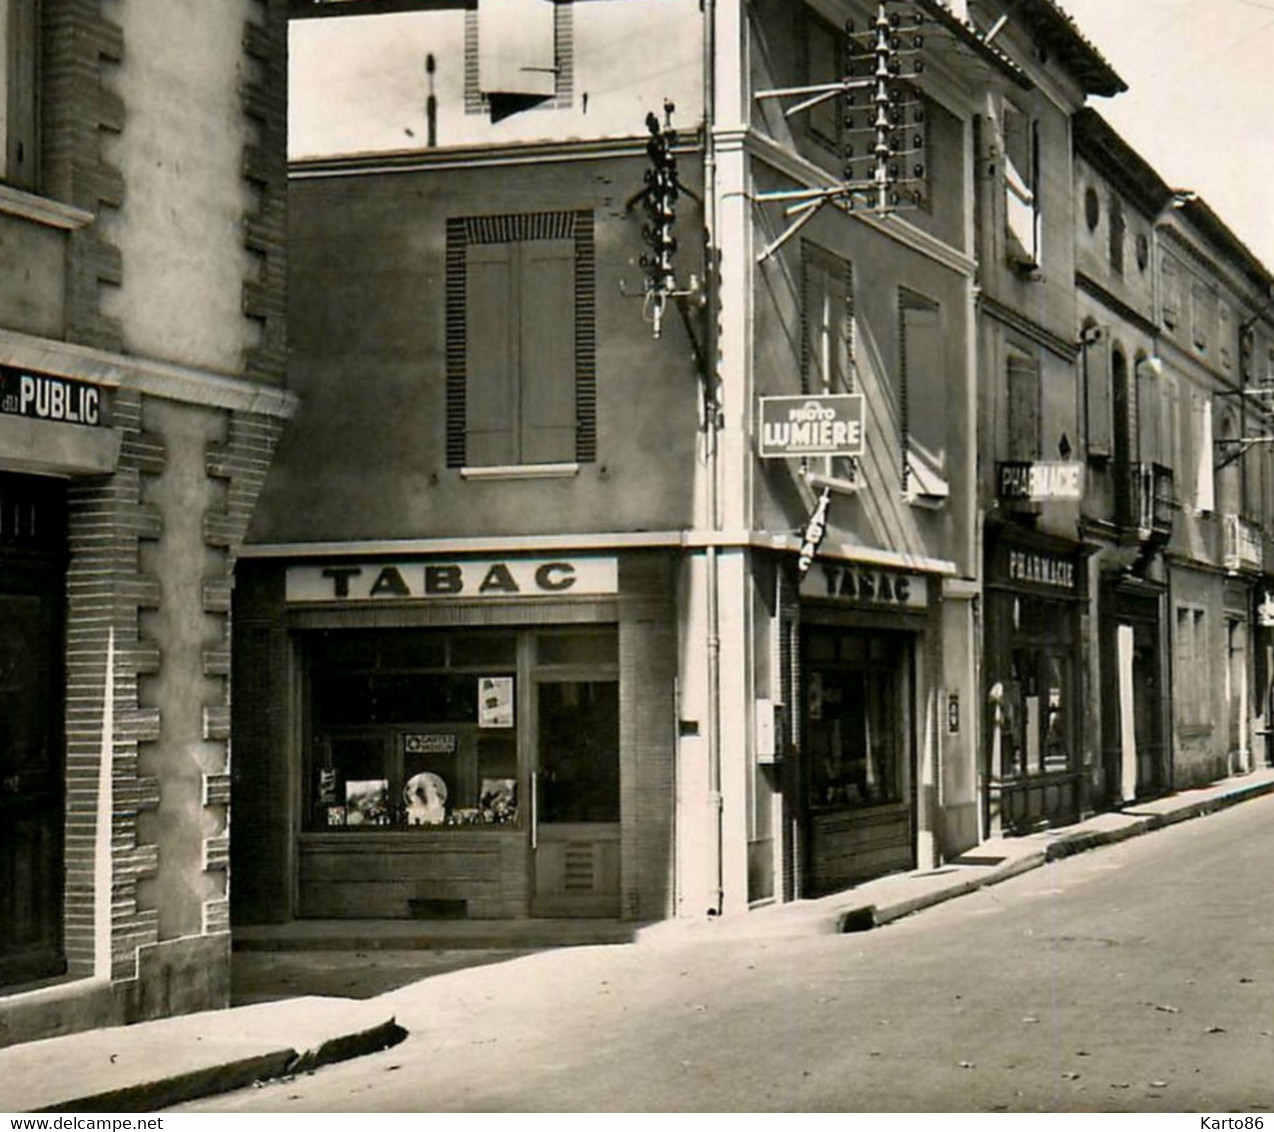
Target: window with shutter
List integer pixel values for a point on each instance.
(1021, 187)
(1149, 414)
(1096, 363)
(18, 78)
(1024, 407)
(827, 347)
(1205, 475)
(924, 377)
(1170, 281)
(521, 382)
(1118, 230)
(825, 61)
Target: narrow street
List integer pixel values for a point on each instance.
(1134, 978)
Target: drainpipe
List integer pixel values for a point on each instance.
(711, 409)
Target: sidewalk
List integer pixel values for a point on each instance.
(157, 1064)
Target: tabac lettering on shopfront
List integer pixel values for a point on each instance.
(48, 398)
(865, 586)
(1041, 569)
(467, 578)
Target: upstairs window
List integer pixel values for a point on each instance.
(18, 79)
(1202, 315)
(521, 380)
(824, 60)
(1118, 230)
(922, 363)
(1021, 187)
(827, 353)
(1095, 344)
(1170, 285)
(1024, 395)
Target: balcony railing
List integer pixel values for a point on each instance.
(1243, 547)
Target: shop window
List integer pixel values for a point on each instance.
(19, 56)
(855, 736)
(518, 55)
(827, 346)
(1024, 394)
(413, 728)
(587, 649)
(1021, 187)
(521, 373)
(1035, 699)
(922, 365)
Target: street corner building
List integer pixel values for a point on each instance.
(736, 458)
(142, 364)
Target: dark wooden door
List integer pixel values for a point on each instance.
(32, 582)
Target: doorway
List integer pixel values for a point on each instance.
(575, 835)
(32, 587)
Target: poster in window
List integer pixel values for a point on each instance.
(498, 800)
(367, 802)
(425, 798)
(495, 701)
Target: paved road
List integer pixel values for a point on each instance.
(1136, 978)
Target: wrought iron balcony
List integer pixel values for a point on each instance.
(1243, 546)
(1152, 502)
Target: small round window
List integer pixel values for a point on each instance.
(1092, 208)
(1143, 251)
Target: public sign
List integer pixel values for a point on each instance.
(815, 529)
(453, 578)
(828, 424)
(860, 584)
(1040, 480)
(46, 397)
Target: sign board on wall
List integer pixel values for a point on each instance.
(435, 579)
(829, 424)
(47, 397)
(1040, 480)
(866, 585)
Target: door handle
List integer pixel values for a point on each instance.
(535, 809)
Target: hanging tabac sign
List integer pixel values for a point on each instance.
(815, 529)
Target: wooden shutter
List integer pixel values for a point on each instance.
(1170, 285)
(1149, 410)
(1024, 408)
(516, 49)
(547, 351)
(491, 348)
(1097, 394)
(925, 375)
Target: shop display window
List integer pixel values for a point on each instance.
(413, 729)
(1033, 700)
(424, 729)
(856, 739)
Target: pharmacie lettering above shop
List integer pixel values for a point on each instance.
(46, 397)
(865, 585)
(464, 578)
(1041, 569)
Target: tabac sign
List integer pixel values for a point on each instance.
(46, 397)
(434, 579)
(830, 424)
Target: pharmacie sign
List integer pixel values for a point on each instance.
(1040, 480)
(1040, 569)
(46, 397)
(829, 424)
(452, 578)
